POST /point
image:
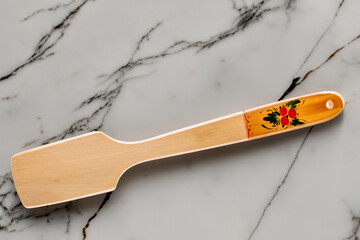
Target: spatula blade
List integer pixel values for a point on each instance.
(67, 170)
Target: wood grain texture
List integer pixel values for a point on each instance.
(93, 163)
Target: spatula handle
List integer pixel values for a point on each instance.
(258, 122)
(218, 132)
(293, 114)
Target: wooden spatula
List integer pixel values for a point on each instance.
(93, 163)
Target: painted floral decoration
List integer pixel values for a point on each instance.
(284, 116)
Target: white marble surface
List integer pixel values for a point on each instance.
(136, 69)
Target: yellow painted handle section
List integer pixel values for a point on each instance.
(293, 114)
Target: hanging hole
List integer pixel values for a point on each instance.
(330, 104)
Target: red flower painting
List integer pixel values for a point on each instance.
(284, 116)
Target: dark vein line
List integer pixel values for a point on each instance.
(298, 80)
(9, 97)
(68, 215)
(290, 4)
(356, 229)
(143, 38)
(106, 199)
(50, 9)
(356, 222)
(83, 124)
(280, 186)
(328, 59)
(47, 42)
(322, 35)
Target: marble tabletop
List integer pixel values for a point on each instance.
(136, 69)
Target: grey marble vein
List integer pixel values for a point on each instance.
(50, 9)
(298, 80)
(356, 228)
(9, 97)
(322, 35)
(279, 187)
(102, 204)
(48, 41)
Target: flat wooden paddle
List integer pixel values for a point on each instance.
(92, 163)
